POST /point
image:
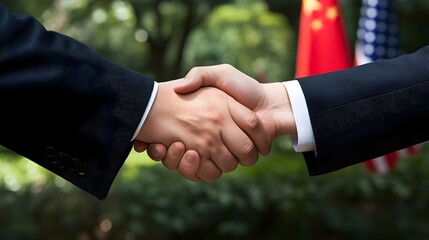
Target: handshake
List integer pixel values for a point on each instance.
(212, 120)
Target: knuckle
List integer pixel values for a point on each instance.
(215, 118)
(248, 149)
(207, 141)
(253, 121)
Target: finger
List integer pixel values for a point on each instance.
(236, 140)
(239, 144)
(140, 146)
(208, 171)
(250, 123)
(156, 151)
(199, 77)
(225, 77)
(224, 159)
(174, 154)
(189, 165)
(191, 82)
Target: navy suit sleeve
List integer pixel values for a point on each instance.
(64, 106)
(367, 111)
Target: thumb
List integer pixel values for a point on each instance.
(189, 84)
(200, 77)
(225, 77)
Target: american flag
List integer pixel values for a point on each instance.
(377, 38)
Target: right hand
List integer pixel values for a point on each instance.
(269, 101)
(205, 120)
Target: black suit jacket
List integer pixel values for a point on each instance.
(367, 111)
(64, 106)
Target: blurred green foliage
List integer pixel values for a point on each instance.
(246, 35)
(276, 199)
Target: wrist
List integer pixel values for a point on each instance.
(158, 112)
(288, 124)
(279, 110)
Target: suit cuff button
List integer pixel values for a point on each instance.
(74, 164)
(82, 169)
(52, 154)
(77, 166)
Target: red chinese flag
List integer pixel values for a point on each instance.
(322, 43)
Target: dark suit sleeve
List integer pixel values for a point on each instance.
(367, 111)
(64, 106)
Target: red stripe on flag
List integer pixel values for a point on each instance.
(383, 165)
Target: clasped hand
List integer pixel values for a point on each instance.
(212, 120)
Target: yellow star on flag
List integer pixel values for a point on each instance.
(316, 25)
(311, 5)
(332, 13)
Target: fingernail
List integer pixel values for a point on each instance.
(176, 152)
(189, 159)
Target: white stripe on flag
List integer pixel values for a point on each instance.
(402, 153)
(360, 56)
(380, 165)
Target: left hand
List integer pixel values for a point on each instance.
(205, 120)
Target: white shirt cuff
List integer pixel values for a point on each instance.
(304, 140)
(146, 112)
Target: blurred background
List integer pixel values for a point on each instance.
(275, 199)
